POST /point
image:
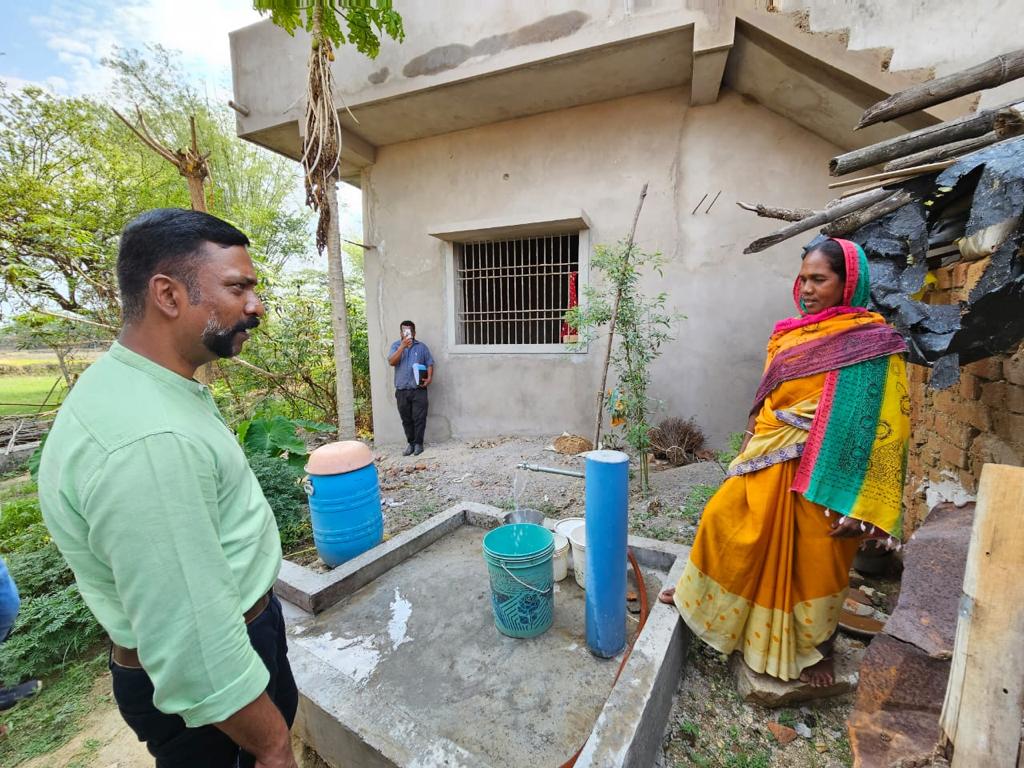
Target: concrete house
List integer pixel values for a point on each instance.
(502, 142)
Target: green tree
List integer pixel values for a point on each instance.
(332, 23)
(641, 324)
(71, 177)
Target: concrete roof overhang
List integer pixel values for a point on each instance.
(646, 60)
(815, 81)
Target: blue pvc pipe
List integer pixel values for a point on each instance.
(607, 500)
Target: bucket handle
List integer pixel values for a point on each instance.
(307, 485)
(523, 583)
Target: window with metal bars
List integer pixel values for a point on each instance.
(516, 291)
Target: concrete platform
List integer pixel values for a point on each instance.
(407, 669)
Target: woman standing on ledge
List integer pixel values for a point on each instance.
(822, 467)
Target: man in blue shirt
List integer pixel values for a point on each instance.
(414, 370)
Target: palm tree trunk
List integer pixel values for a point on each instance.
(339, 320)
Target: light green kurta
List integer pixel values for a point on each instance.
(150, 498)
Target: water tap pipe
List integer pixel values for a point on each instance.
(550, 470)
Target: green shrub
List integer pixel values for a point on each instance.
(282, 487)
(39, 571)
(51, 630)
(21, 526)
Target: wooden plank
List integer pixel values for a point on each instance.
(903, 173)
(981, 716)
(988, 74)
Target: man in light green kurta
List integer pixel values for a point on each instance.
(151, 500)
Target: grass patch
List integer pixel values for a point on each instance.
(732, 450)
(30, 391)
(695, 502)
(44, 723)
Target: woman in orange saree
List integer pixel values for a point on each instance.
(821, 468)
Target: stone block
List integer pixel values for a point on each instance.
(974, 413)
(1013, 368)
(933, 572)
(991, 368)
(975, 270)
(946, 400)
(959, 274)
(970, 386)
(944, 278)
(960, 435)
(989, 449)
(769, 691)
(896, 714)
(1015, 399)
(1009, 426)
(953, 456)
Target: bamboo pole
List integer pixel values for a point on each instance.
(611, 325)
(988, 74)
(902, 174)
(819, 218)
(967, 127)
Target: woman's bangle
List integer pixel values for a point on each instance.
(748, 432)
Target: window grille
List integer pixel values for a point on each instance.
(515, 291)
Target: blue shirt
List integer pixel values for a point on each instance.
(418, 353)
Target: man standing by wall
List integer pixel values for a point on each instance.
(414, 370)
(149, 497)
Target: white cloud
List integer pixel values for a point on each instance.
(53, 84)
(82, 34)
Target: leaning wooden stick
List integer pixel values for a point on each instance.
(817, 219)
(988, 74)
(611, 325)
(770, 212)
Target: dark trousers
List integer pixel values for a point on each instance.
(166, 736)
(412, 407)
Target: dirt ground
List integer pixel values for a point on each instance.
(709, 726)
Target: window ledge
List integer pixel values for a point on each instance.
(561, 222)
(516, 349)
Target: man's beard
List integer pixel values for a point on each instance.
(220, 340)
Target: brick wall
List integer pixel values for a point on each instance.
(979, 421)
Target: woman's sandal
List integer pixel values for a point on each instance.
(667, 596)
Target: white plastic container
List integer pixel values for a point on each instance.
(578, 539)
(565, 527)
(560, 560)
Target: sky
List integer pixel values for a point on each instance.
(59, 44)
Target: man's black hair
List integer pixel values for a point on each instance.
(408, 323)
(166, 241)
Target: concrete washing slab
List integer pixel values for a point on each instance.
(398, 661)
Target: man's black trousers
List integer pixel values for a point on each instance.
(412, 407)
(175, 746)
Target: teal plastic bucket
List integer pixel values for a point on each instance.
(519, 561)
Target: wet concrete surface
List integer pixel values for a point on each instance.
(412, 663)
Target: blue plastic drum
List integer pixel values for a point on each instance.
(346, 515)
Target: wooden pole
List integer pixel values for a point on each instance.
(988, 74)
(957, 149)
(981, 716)
(967, 127)
(854, 221)
(770, 212)
(818, 219)
(611, 325)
